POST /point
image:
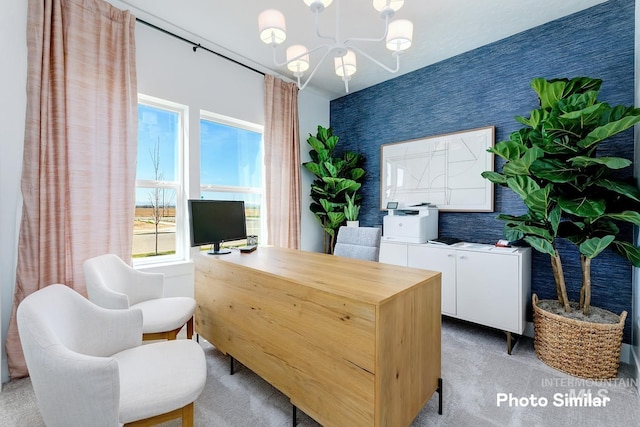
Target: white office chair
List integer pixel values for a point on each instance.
(111, 283)
(88, 366)
(358, 242)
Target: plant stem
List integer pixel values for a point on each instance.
(561, 288)
(585, 290)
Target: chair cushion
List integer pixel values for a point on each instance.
(159, 377)
(165, 314)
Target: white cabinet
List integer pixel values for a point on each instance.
(480, 283)
(438, 259)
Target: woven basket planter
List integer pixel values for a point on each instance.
(578, 348)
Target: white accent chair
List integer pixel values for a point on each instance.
(358, 242)
(111, 283)
(88, 366)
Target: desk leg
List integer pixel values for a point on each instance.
(230, 365)
(295, 416)
(439, 390)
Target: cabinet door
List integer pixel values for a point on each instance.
(393, 253)
(444, 261)
(488, 289)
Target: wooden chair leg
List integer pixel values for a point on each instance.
(190, 328)
(187, 415)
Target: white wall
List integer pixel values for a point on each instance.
(167, 68)
(13, 77)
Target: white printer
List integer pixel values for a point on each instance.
(416, 224)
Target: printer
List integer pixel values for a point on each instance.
(415, 224)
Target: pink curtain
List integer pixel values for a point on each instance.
(282, 159)
(78, 178)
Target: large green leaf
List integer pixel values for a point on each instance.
(357, 173)
(583, 206)
(553, 170)
(541, 245)
(619, 187)
(605, 131)
(316, 144)
(629, 251)
(538, 200)
(333, 171)
(315, 169)
(522, 185)
(495, 177)
(336, 219)
(331, 143)
(610, 162)
(508, 150)
(549, 92)
(626, 216)
(588, 115)
(591, 248)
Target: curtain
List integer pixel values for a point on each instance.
(282, 159)
(78, 173)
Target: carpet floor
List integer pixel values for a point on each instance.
(476, 372)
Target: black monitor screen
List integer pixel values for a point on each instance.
(215, 221)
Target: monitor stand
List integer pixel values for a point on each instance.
(215, 250)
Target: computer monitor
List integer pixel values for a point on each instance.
(213, 222)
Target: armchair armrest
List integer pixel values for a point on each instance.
(75, 389)
(146, 286)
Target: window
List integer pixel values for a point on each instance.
(159, 213)
(231, 166)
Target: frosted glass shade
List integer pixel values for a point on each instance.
(400, 35)
(346, 65)
(316, 3)
(271, 24)
(301, 64)
(381, 5)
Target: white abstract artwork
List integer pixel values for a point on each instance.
(443, 170)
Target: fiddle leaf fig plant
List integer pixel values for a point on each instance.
(569, 191)
(335, 179)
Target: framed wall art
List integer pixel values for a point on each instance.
(443, 170)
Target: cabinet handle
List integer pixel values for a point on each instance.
(450, 255)
(463, 257)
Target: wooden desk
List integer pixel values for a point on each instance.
(350, 342)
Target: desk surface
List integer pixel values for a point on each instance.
(368, 281)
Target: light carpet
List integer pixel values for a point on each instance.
(476, 369)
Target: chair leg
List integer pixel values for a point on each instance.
(190, 328)
(187, 415)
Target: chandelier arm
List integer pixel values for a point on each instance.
(380, 64)
(321, 36)
(365, 39)
(314, 71)
(279, 64)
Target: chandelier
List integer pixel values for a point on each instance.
(397, 36)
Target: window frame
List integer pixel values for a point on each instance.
(178, 185)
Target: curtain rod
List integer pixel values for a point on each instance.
(197, 46)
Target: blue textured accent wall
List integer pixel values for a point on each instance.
(489, 86)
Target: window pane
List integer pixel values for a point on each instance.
(229, 156)
(158, 138)
(251, 207)
(154, 227)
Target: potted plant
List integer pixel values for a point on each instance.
(571, 193)
(336, 177)
(351, 211)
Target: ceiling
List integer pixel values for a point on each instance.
(442, 29)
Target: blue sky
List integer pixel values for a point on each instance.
(229, 156)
